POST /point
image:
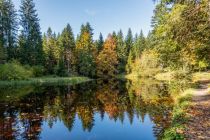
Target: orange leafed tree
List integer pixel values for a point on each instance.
(107, 60)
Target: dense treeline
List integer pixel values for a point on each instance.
(61, 54)
(179, 41)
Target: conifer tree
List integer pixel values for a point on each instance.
(85, 50)
(129, 41)
(139, 45)
(121, 52)
(51, 51)
(129, 50)
(100, 43)
(68, 46)
(129, 63)
(30, 40)
(8, 28)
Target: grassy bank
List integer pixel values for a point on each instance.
(46, 81)
(174, 75)
(179, 117)
(183, 104)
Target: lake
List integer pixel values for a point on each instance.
(96, 110)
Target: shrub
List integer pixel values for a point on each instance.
(147, 65)
(14, 71)
(38, 71)
(181, 74)
(202, 65)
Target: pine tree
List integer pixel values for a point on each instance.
(121, 52)
(142, 43)
(139, 45)
(86, 51)
(129, 41)
(8, 28)
(51, 51)
(68, 46)
(100, 43)
(136, 46)
(30, 40)
(129, 63)
(114, 35)
(2, 52)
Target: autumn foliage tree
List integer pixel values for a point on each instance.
(107, 60)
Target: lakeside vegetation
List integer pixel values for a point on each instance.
(38, 81)
(179, 117)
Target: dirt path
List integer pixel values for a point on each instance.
(198, 127)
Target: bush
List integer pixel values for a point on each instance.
(14, 71)
(38, 71)
(181, 74)
(147, 65)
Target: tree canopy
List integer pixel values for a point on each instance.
(179, 40)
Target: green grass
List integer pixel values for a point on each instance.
(46, 81)
(179, 118)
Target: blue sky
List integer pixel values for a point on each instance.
(104, 16)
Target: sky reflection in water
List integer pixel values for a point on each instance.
(98, 110)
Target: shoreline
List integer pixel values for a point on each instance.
(46, 81)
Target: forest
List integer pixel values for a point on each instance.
(179, 42)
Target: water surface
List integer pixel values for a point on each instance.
(97, 110)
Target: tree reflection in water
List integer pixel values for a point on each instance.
(21, 117)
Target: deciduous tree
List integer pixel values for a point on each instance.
(107, 60)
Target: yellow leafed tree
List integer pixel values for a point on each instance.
(107, 59)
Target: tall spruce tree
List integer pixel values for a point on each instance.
(142, 42)
(121, 52)
(67, 47)
(100, 42)
(51, 51)
(129, 50)
(139, 45)
(8, 29)
(30, 40)
(129, 41)
(2, 52)
(85, 52)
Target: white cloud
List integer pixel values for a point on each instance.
(90, 12)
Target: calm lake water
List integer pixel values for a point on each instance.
(97, 110)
